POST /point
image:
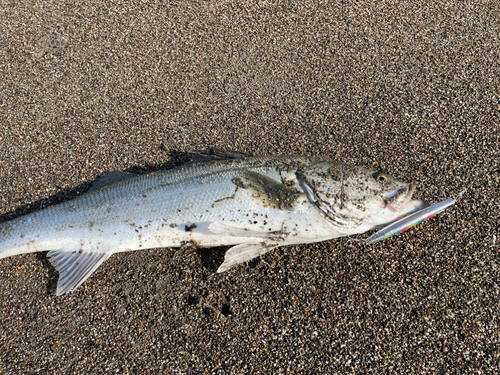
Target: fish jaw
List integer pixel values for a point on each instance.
(389, 215)
(397, 200)
(411, 207)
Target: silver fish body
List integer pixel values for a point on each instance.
(252, 203)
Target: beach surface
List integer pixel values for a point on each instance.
(411, 89)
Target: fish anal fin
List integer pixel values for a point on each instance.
(243, 253)
(110, 179)
(74, 267)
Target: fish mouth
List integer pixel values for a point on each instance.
(397, 199)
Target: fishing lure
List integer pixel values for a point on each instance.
(409, 221)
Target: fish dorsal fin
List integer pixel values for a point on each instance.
(214, 154)
(74, 267)
(210, 157)
(243, 253)
(110, 179)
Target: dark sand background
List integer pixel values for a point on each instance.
(408, 88)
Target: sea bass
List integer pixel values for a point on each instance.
(252, 203)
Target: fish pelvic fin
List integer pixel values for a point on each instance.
(243, 253)
(74, 267)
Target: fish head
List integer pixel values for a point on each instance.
(355, 199)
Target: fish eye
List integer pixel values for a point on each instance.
(380, 177)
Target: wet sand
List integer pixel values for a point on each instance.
(410, 89)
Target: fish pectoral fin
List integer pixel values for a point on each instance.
(228, 230)
(74, 268)
(243, 253)
(267, 191)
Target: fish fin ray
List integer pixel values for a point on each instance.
(200, 157)
(243, 253)
(215, 154)
(75, 268)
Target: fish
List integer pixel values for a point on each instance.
(412, 220)
(252, 203)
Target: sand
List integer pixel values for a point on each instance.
(412, 89)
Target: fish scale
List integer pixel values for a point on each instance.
(252, 203)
